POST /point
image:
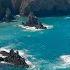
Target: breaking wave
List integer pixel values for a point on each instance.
(63, 62)
(33, 29)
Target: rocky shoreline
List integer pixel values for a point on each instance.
(13, 58)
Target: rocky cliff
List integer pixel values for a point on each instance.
(39, 7)
(49, 7)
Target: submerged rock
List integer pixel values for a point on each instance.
(33, 22)
(13, 58)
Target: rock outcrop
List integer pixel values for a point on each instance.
(33, 22)
(13, 58)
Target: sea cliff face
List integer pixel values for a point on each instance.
(39, 7)
(49, 7)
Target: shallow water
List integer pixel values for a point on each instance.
(43, 48)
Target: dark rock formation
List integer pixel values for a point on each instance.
(39, 7)
(13, 58)
(48, 7)
(33, 22)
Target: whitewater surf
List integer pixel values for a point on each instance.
(34, 29)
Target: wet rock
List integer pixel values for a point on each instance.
(33, 22)
(13, 58)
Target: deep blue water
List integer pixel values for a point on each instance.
(43, 48)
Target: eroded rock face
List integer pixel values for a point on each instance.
(49, 7)
(24, 5)
(16, 5)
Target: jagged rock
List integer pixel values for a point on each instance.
(13, 58)
(33, 22)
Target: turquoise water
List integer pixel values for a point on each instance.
(43, 48)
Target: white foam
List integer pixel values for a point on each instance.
(17, 15)
(65, 59)
(34, 29)
(63, 63)
(48, 26)
(4, 62)
(62, 66)
(30, 64)
(29, 28)
(7, 48)
(22, 54)
(4, 49)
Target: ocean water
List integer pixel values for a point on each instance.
(46, 49)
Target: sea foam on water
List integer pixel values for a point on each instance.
(34, 29)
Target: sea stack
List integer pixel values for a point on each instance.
(33, 22)
(13, 58)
